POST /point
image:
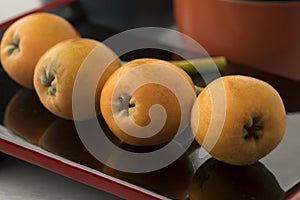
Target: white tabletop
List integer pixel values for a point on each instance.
(20, 180)
(12, 8)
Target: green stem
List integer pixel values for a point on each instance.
(194, 66)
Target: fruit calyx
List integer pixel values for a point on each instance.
(125, 102)
(253, 130)
(14, 47)
(49, 81)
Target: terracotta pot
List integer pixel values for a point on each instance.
(264, 35)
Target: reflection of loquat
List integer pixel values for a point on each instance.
(218, 180)
(26, 116)
(172, 181)
(61, 138)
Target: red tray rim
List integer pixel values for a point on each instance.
(47, 160)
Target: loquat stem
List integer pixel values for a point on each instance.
(194, 66)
